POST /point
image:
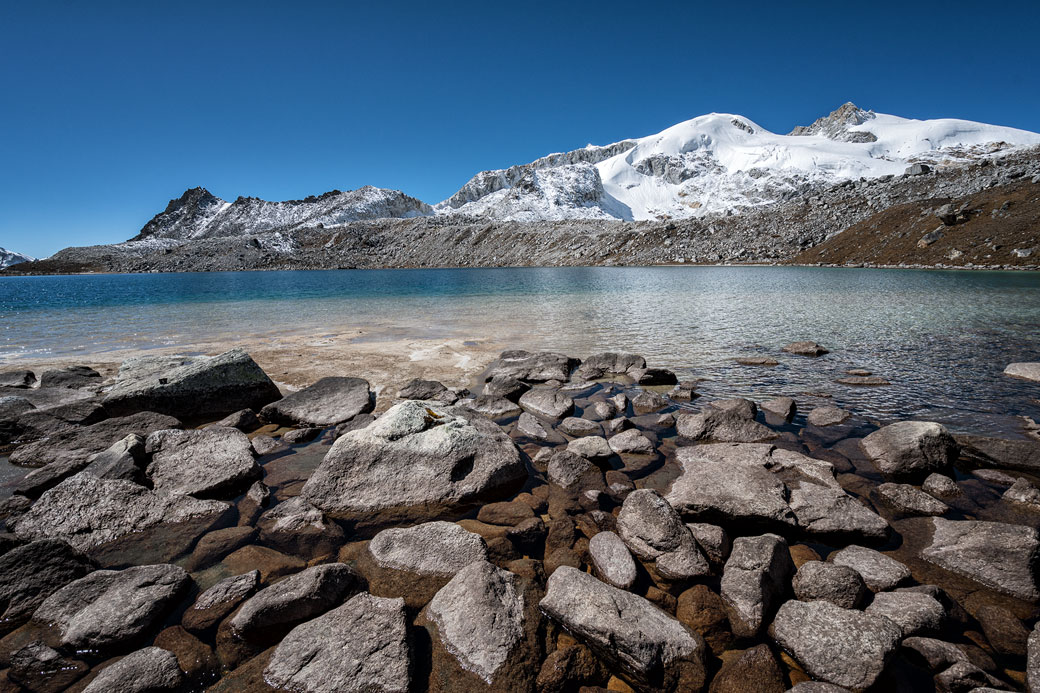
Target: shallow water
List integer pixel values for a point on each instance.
(941, 338)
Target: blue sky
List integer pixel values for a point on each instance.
(108, 110)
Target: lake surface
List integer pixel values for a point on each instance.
(941, 338)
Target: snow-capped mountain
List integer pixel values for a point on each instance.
(9, 257)
(199, 214)
(720, 163)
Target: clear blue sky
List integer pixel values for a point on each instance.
(109, 109)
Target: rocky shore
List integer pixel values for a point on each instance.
(563, 524)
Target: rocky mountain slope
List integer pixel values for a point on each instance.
(9, 257)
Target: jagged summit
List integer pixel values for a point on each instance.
(9, 257)
(836, 125)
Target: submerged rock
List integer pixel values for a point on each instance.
(827, 416)
(212, 463)
(300, 528)
(911, 501)
(911, 449)
(1000, 556)
(191, 387)
(213, 605)
(806, 349)
(844, 647)
(414, 461)
(359, 646)
(650, 646)
(328, 402)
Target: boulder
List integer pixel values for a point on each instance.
(1023, 492)
(121, 461)
(484, 626)
(299, 528)
(629, 632)
(723, 426)
(744, 408)
(653, 376)
(219, 543)
(1026, 371)
(532, 427)
(569, 667)
(915, 613)
(328, 402)
(806, 349)
(827, 416)
(75, 446)
(244, 420)
(72, 377)
(213, 605)
(612, 560)
(653, 531)
(1000, 556)
(32, 572)
(713, 540)
(838, 584)
(209, 463)
(18, 379)
(88, 512)
(941, 486)
(359, 646)
(110, 609)
(190, 388)
(879, 571)
(301, 436)
(756, 669)
(264, 445)
(936, 655)
(647, 401)
(492, 406)
(577, 428)
(590, 447)
(38, 668)
(415, 562)
(910, 501)
(534, 367)
(908, 449)
(843, 647)
(509, 513)
(1020, 455)
(704, 611)
(416, 462)
(573, 472)
(150, 670)
(1033, 659)
(631, 442)
(550, 404)
(780, 407)
(419, 389)
(276, 609)
(506, 386)
(755, 581)
(609, 363)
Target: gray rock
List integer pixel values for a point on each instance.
(805, 349)
(844, 647)
(600, 411)
(911, 448)
(612, 560)
(533, 428)
(1021, 455)
(915, 613)
(591, 447)
(300, 436)
(150, 670)
(653, 376)
(213, 605)
(266, 445)
(419, 389)
(609, 363)
(571, 471)
(534, 367)
(439, 549)
(1033, 659)
(41, 669)
(631, 442)
(647, 401)
(19, 379)
(298, 598)
(12, 407)
(359, 646)
(755, 581)
(1026, 371)
(75, 446)
(817, 687)
(653, 531)
(244, 420)
(744, 408)
(911, 501)
(879, 571)
(722, 426)
(209, 463)
(936, 654)
(1023, 492)
(328, 402)
(941, 486)
(72, 377)
(110, 609)
(827, 416)
(917, 170)
(625, 630)
(417, 462)
(577, 428)
(506, 386)
(965, 676)
(492, 406)
(994, 477)
(713, 540)
(780, 407)
(837, 584)
(121, 461)
(87, 512)
(479, 619)
(190, 387)
(550, 404)
(299, 528)
(1000, 556)
(32, 572)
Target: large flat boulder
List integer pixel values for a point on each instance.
(109, 609)
(547, 403)
(73, 447)
(215, 462)
(721, 425)
(416, 461)
(1020, 455)
(911, 449)
(328, 402)
(534, 367)
(645, 643)
(88, 512)
(191, 387)
(609, 363)
(359, 646)
(1000, 556)
(769, 488)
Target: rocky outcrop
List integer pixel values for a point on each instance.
(416, 461)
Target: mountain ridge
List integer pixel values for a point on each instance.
(9, 258)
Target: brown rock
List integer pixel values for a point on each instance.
(271, 564)
(215, 545)
(505, 513)
(704, 611)
(570, 667)
(800, 554)
(1003, 629)
(195, 658)
(754, 671)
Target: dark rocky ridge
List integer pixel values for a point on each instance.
(784, 232)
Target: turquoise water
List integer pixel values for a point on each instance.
(941, 338)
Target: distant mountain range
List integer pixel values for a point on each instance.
(717, 164)
(8, 258)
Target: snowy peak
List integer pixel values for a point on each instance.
(199, 214)
(8, 258)
(836, 125)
